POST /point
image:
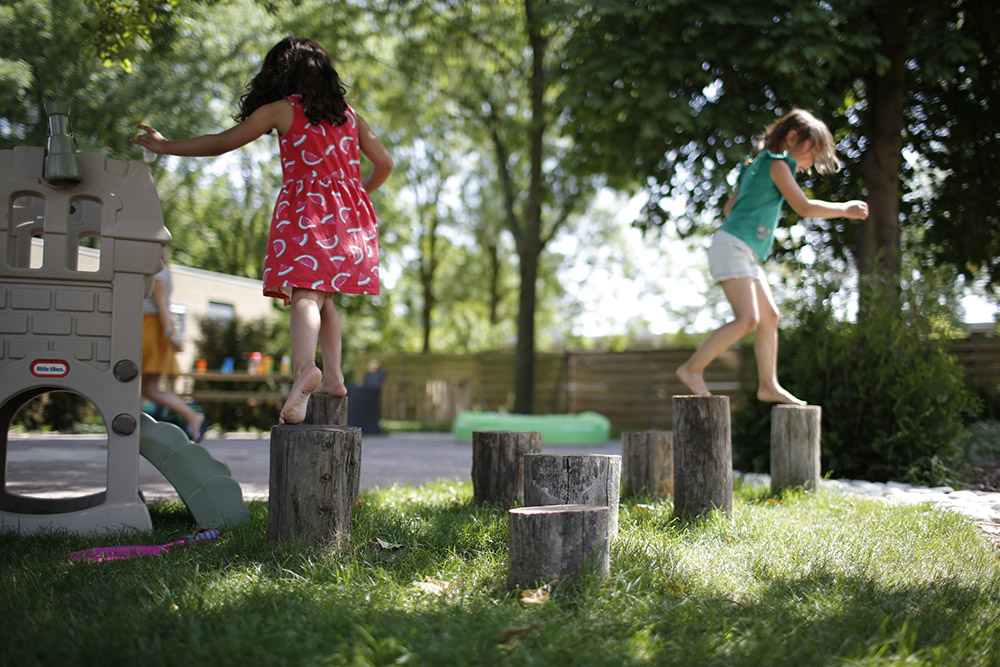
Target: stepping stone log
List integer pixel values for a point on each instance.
(557, 543)
(795, 446)
(314, 478)
(574, 479)
(498, 465)
(326, 409)
(648, 463)
(703, 456)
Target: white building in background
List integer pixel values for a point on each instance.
(197, 293)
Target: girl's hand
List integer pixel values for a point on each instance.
(856, 209)
(151, 140)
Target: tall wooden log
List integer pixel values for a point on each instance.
(795, 446)
(557, 543)
(574, 479)
(314, 478)
(498, 465)
(703, 456)
(648, 463)
(326, 409)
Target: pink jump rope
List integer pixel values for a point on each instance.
(122, 553)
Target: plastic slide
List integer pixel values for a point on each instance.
(204, 484)
(585, 428)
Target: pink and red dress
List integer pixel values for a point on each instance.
(324, 233)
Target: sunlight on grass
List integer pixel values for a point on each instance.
(823, 578)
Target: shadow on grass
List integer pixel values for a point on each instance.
(235, 602)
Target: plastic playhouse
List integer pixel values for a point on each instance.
(69, 327)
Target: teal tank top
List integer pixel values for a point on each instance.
(754, 215)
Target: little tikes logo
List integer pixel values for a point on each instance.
(47, 368)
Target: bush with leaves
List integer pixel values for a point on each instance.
(237, 339)
(893, 399)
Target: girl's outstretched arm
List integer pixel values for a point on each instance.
(377, 153)
(782, 176)
(276, 115)
(729, 202)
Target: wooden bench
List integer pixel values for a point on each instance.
(273, 387)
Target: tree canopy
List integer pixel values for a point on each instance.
(666, 95)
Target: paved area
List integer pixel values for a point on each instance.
(74, 465)
(53, 466)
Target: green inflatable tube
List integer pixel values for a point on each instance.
(585, 428)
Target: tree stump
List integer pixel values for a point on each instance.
(648, 463)
(498, 465)
(557, 543)
(326, 410)
(703, 456)
(795, 435)
(574, 479)
(314, 478)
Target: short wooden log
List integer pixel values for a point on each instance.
(648, 463)
(326, 409)
(498, 465)
(574, 479)
(795, 446)
(314, 478)
(557, 543)
(703, 456)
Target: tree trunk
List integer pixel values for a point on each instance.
(524, 361)
(703, 458)
(314, 478)
(498, 465)
(557, 543)
(648, 463)
(530, 244)
(795, 446)
(574, 479)
(326, 410)
(878, 242)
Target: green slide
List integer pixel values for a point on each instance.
(204, 484)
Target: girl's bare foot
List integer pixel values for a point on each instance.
(777, 395)
(694, 380)
(334, 389)
(294, 409)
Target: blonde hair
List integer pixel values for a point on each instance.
(807, 128)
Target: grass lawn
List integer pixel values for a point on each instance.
(823, 579)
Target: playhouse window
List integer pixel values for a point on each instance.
(26, 241)
(85, 217)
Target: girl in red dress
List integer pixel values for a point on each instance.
(324, 234)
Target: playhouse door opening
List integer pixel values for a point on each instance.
(57, 448)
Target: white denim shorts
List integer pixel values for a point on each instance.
(730, 257)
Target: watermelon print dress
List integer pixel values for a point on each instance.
(324, 234)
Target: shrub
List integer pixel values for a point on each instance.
(237, 338)
(893, 399)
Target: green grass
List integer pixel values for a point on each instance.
(825, 579)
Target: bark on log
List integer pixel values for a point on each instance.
(648, 463)
(314, 478)
(325, 409)
(795, 446)
(498, 465)
(703, 456)
(557, 543)
(574, 479)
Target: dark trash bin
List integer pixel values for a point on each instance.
(363, 408)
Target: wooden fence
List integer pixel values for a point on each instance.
(633, 389)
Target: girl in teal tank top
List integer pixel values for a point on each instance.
(798, 141)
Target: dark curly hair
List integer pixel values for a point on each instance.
(297, 66)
